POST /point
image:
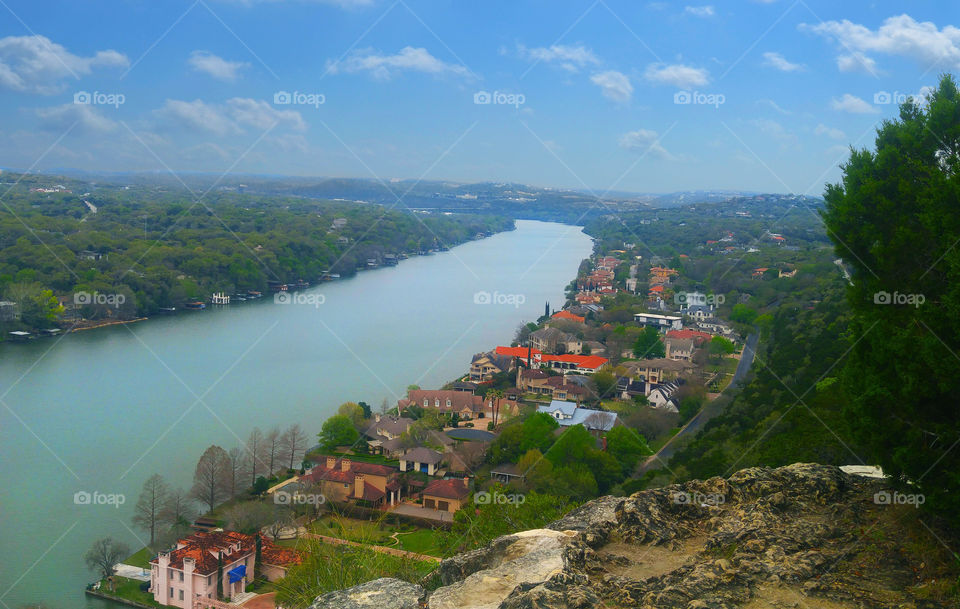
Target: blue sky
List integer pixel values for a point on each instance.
(606, 95)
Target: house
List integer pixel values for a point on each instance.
(505, 473)
(484, 365)
(445, 495)
(698, 311)
(587, 364)
(587, 298)
(760, 271)
(464, 405)
(189, 571)
(670, 322)
(9, 311)
(679, 348)
(384, 433)
(568, 414)
(421, 459)
(657, 370)
(567, 316)
(557, 387)
(628, 388)
(663, 396)
(342, 480)
(465, 386)
(552, 340)
(716, 327)
(698, 337)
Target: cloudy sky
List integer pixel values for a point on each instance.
(603, 95)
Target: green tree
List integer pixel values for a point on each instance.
(720, 346)
(352, 411)
(893, 220)
(338, 430)
(648, 344)
(743, 314)
(627, 447)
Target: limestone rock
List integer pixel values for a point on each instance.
(384, 593)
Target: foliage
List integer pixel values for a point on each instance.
(648, 344)
(894, 221)
(338, 430)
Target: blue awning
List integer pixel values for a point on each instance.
(237, 573)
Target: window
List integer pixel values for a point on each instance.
(426, 402)
(171, 592)
(181, 595)
(448, 403)
(169, 573)
(181, 575)
(210, 579)
(436, 402)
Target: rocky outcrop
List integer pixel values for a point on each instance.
(384, 593)
(761, 538)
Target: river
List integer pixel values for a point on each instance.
(102, 410)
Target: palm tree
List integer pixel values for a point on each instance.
(495, 395)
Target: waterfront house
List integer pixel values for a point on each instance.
(445, 495)
(190, 571)
(464, 405)
(567, 316)
(9, 311)
(383, 434)
(342, 480)
(657, 370)
(483, 366)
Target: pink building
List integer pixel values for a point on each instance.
(189, 571)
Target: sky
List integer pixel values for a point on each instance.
(599, 95)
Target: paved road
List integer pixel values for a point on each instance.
(709, 411)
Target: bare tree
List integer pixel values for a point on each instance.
(146, 513)
(293, 443)
(235, 465)
(178, 509)
(250, 516)
(104, 554)
(272, 448)
(210, 484)
(254, 454)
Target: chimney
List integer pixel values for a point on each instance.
(345, 465)
(358, 485)
(331, 462)
(376, 417)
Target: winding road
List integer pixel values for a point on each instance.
(712, 409)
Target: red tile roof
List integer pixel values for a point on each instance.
(520, 352)
(272, 554)
(568, 315)
(447, 489)
(696, 335)
(203, 548)
(584, 361)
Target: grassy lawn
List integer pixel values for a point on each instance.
(421, 541)
(376, 459)
(141, 558)
(361, 531)
(130, 590)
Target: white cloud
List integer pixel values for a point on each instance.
(35, 64)
(853, 104)
(831, 132)
(772, 104)
(677, 75)
(570, 57)
(856, 62)
(699, 11)
(229, 118)
(614, 85)
(778, 61)
(386, 66)
(645, 141)
(79, 118)
(901, 35)
(218, 67)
